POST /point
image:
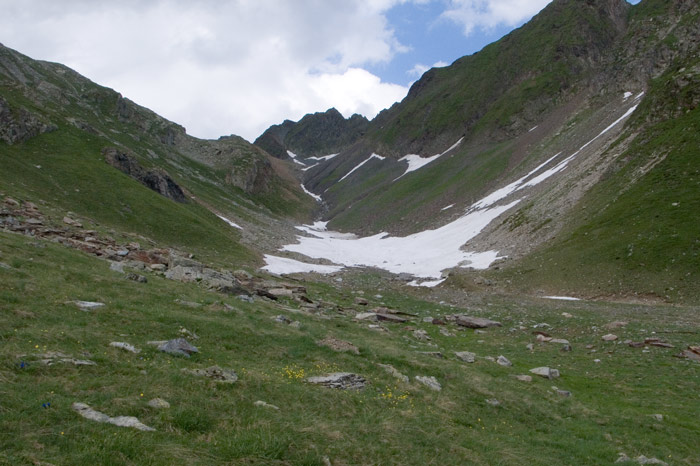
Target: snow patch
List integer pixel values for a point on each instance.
(424, 254)
(416, 162)
(627, 95)
(234, 225)
(428, 284)
(447, 207)
(532, 129)
(562, 298)
(373, 156)
(322, 159)
(315, 196)
(310, 167)
(283, 265)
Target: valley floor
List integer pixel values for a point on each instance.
(621, 389)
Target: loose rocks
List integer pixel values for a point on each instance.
(215, 373)
(340, 380)
(179, 347)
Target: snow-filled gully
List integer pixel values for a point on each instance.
(426, 254)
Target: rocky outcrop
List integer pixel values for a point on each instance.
(316, 134)
(20, 125)
(156, 179)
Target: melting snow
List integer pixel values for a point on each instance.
(324, 158)
(373, 156)
(294, 158)
(627, 95)
(315, 196)
(532, 129)
(234, 225)
(310, 167)
(562, 298)
(416, 162)
(282, 265)
(447, 207)
(425, 254)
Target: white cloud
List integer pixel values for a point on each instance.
(218, 67)
(419, 69)
(487, 14)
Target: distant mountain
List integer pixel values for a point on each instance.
(317, 134)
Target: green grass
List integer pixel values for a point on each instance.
(387, 423)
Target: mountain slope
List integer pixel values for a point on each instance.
(57, 124)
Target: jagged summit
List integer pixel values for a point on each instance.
(316, 134)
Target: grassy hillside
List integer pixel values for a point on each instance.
(482, 415)
(636, 232)
(61, 166)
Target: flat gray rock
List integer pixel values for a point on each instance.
(158, 403)
(465, 356)
(545, 372)
(340, 380)
(475, 322)
(122, 421)
(179, 347)
(125, 346)
(430, 382)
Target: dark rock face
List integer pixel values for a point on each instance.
(20, 125)
(317, 134)
(155, 179)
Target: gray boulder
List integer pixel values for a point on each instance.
(179, 347)
(340, 380)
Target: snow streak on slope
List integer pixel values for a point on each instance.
(416, 162)
(294, 158)
(234, 225)
(373, 156)
(425, 254)
(315, 196)
(322, 159)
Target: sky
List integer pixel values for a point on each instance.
(221, 67)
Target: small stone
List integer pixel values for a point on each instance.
(262, 404)
(88, 305)
(421, 335)
(430, 382)
(658, 417)
(543, 339)
(567, 315)
(445, 332)
(503, 361)
(545, 372)
(465, 356)
(493, 402)
(393, 371)
(609, 337)
(361, 301)
(524, 378)
(560, 341)
(295, 324)
(158, 403)
(564, 393)
(566, 348)
(530, 347)
(70, 222)
(187, 333)
(136, 278)
(366, 316)
(246, 298)
(125, 346)
(282, 319)
(116, 267)
(158, 267)
(178, 346)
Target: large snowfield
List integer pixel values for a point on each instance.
(426, 254)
